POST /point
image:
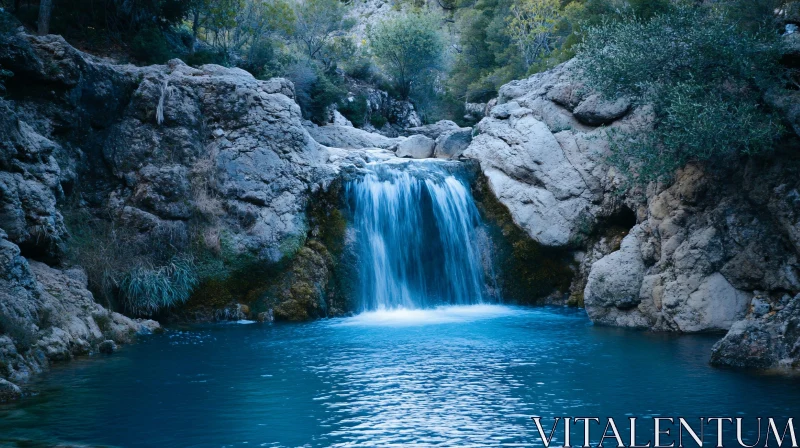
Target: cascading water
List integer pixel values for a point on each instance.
(419, 236)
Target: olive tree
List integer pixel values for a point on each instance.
(408, 47)
(703, 77)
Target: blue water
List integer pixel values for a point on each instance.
(461, 376)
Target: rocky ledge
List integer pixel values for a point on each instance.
(688, 257)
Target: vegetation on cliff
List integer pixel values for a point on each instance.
(704, 78)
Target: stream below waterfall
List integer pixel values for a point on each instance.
(433, 359)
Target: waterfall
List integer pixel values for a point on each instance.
(419, 236)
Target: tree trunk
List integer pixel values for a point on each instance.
(17, 4)
(195, 29)
(45, 8)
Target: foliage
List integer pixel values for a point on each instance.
(206, 56)
(116, 257)
(703, 78)
(150, 46)
(377, 121)
(317, 23)
(148, 289)
(4, 74)
(754, 15)
(409, 47)
(532, 27)
(355, 109)
(107, 23)
(315, 90)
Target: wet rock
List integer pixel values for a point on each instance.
(266, 316)
(107, 347)
(9, 391)
(415, 147)
(770, 340)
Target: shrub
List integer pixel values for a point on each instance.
(150, 46)
(202, 57)
(314, 90)
(703, 78)
(378, 121)
(355, 110)
(147, 289)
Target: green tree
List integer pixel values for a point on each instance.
(409, 47)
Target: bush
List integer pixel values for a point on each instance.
(202, 57)
(314, 90)
(147, 289)
(355, 110)
(378, 121)
(150, 46)
(703, 78)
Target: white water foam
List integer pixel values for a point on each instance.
(404, 317)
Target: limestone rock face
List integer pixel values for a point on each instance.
(29, 187)
(415, 147)
(686, 257)
(767, 340)
(151, 150)
(162, 144)
(48, 315)
(613, 286)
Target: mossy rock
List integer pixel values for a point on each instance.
(526, 271)
(306, 284)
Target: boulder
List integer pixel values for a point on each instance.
(348, 137)
(9, 391)
(597, 111)
(769, 340)
(452, 144)
(529, 173)
(340, 120)
(415, 147)
(695, 250)
(434, 130)
(107, 347)
(612, 290)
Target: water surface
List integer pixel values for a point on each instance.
(458, 376)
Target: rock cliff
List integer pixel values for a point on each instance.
(687, 257)
(156, 161)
